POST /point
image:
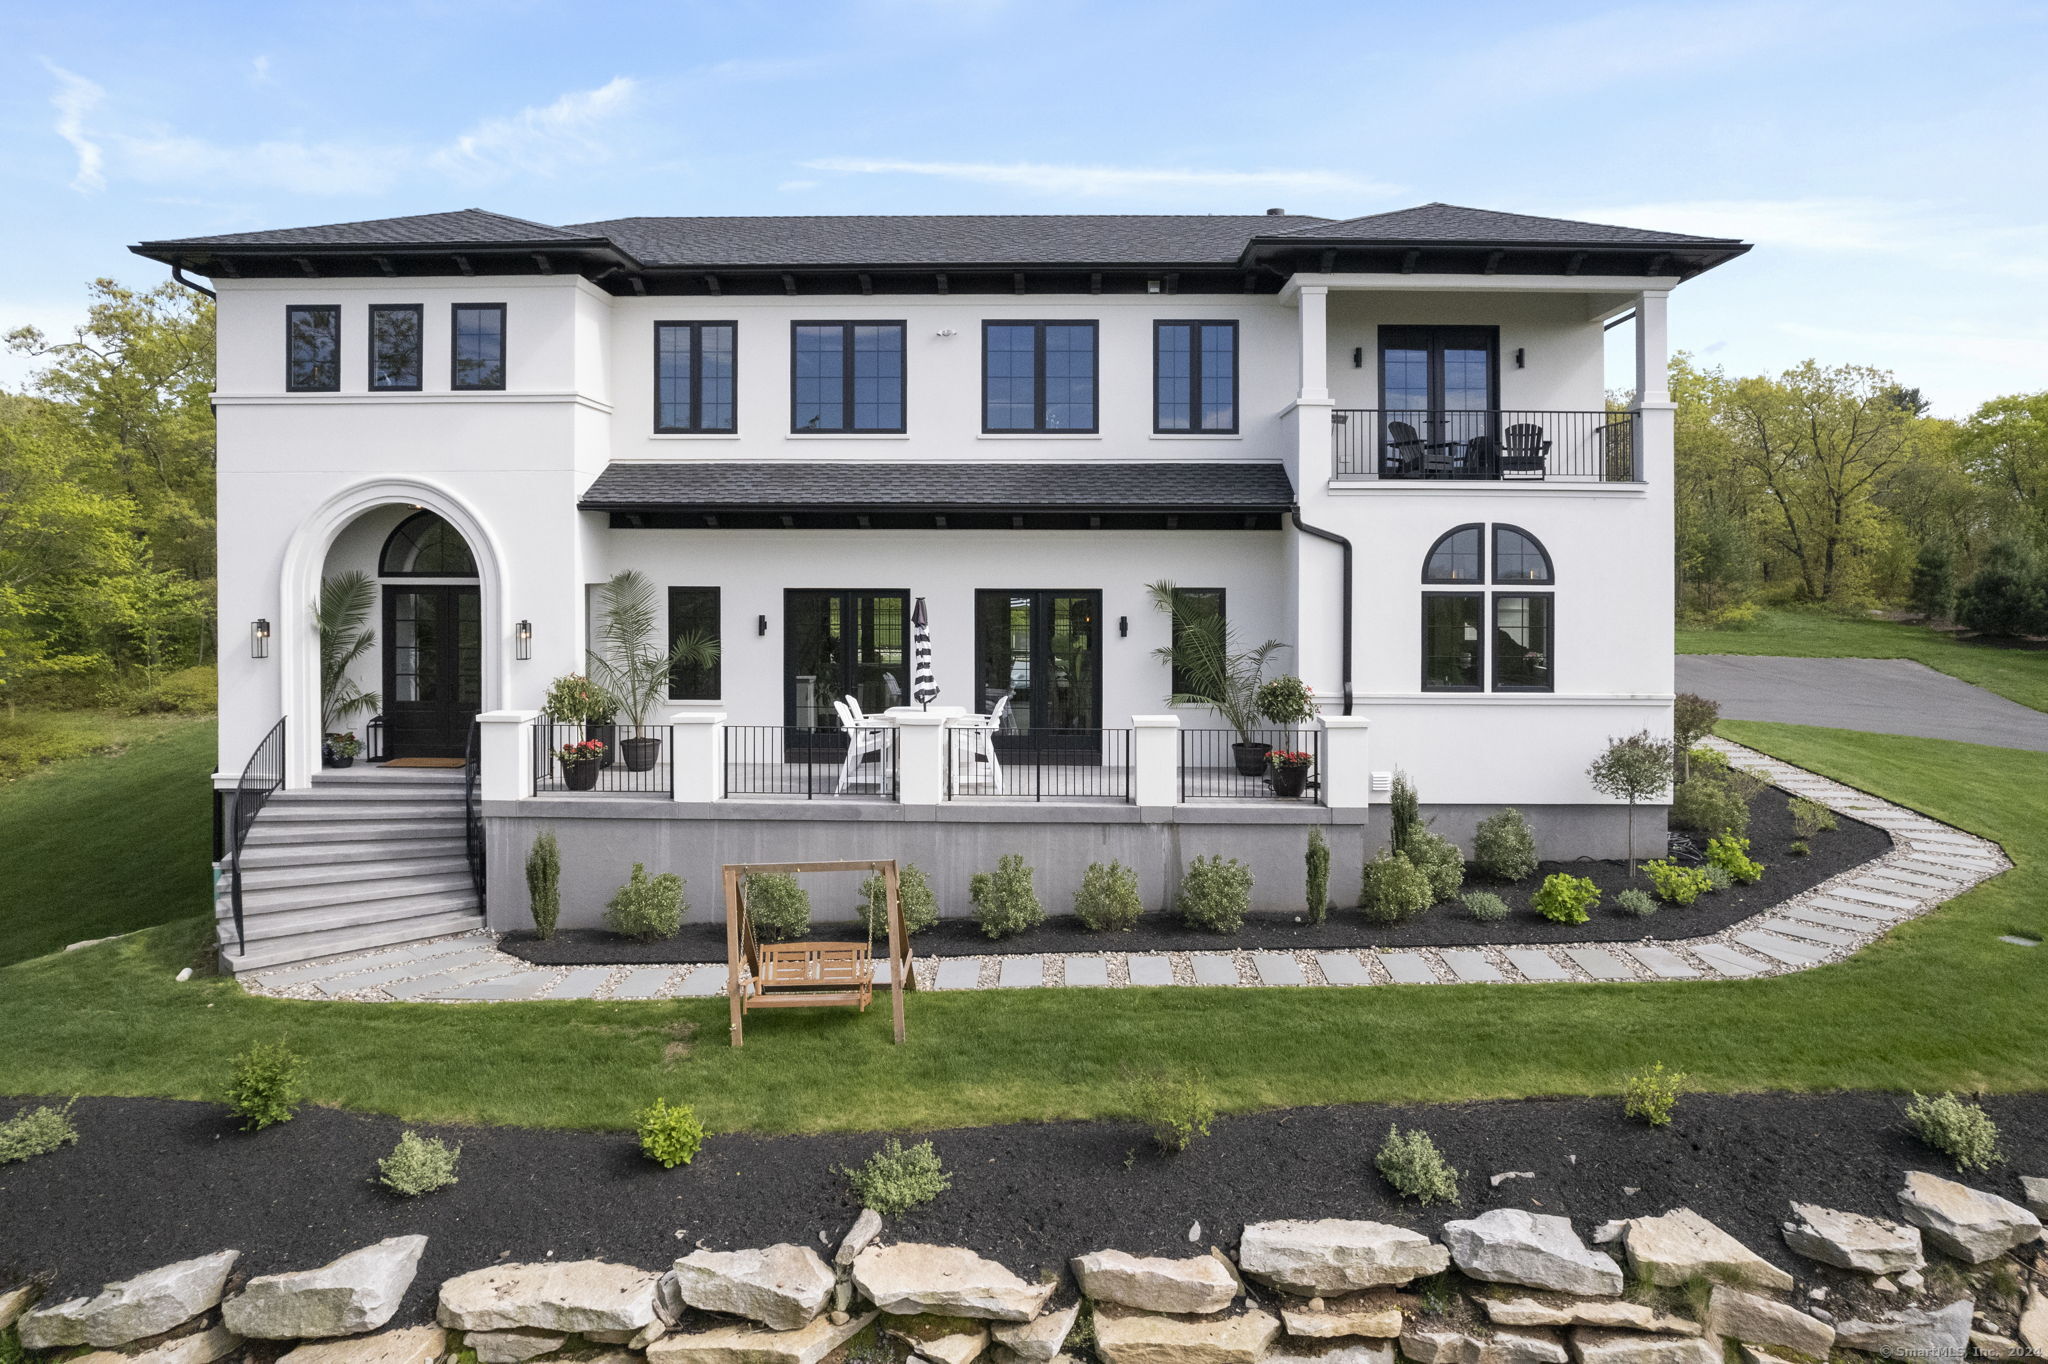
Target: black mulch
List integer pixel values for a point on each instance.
(154, 1181)
(1446, 925)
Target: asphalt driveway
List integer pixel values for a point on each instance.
(1877, 695)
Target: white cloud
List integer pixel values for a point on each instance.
(259, 71)
(539, 140)
(1104, 181)
(75, 99)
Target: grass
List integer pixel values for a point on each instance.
(1941, 1004)
(2018, 672)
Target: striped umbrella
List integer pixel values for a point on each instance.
(924, 685)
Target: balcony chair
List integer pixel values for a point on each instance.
(1523, 450)
(867, 741)
(975, 765)
(1408, 454)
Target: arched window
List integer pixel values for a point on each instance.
(1471, 644)
(1457, 557)
(425, 546)
(1518, 557)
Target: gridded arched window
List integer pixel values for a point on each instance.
(1457, 557)
(1471, 644)
(1518, 557)
(425, 546)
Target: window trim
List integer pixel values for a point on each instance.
(1492, 668)
(1038, 326)
(716, 690)
(1477, 594)
(1436, 544)
(846, 376)
(384, 551)
(454, 349)
(1549, 578)
(291, 309)
(1159, 324)
(419, 314)
(696, 404)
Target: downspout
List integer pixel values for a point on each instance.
(1345, 545)
(178, 274)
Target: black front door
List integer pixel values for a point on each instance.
(1042, 649)
(433, 669)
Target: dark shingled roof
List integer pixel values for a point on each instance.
(463, 227)
(940, 487)
(1453, 224)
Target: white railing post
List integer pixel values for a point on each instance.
(697, 755)
(1347, 783)
(920, 758)
(505, 750)
(1155, 760)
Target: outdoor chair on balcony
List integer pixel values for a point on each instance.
(867, 751)
(975, 765)
(1523, 450)
(1409, 455)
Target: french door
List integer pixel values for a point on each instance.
(1042, 649)
(433, 669)
(837, 644)
(1445, 383)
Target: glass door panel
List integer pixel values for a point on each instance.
(1443, 383)
(1043, 650)
(433, 669)
(839, 644)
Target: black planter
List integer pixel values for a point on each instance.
(641, 753)
(1290, 780)
(1251, 758)
(581, 776)
(608, 735)
(330, 758)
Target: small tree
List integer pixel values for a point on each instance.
(1404, 813)
(1632, 769)
(1932, 592)
(2003, 597)
(1318, 875)
(544, 884)
(1692, 719)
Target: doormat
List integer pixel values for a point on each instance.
(424, 762)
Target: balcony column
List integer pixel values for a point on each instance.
(1653, 346)
(1346, 776)
(1314, 303)
(697, 755)
(505, 754)
(1155, 760)
(920, 759)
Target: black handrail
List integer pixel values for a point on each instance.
(263, 775)
(472, 809)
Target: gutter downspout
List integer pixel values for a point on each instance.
(178, 274)
(1345, 545)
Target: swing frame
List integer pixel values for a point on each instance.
(745, 992)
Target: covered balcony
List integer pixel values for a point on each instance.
(1484, 443)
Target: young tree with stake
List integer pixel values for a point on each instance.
(1632, 769)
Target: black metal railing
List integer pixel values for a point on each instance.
(263, 774)
(1216, 764)
(473, 809)
(635, 759)
(1595, 447)
(809, 764)
(1039, 764)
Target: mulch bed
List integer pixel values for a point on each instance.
(153, 1181)
(1446, 925)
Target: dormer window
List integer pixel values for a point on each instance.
(312, 348)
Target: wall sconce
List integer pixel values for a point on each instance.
(1123, 627)
(259, 639)
(522, 641)
(1518, 357)
(1358, 357)
(760, 625)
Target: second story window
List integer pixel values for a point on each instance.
(395, 347)
(312, 348)
(1038, 376)
(479, 346)
(693, 376)
(846, 376)
(1194, 376)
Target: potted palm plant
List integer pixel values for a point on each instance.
(632, 668)
(345, 603)
(1218, 673)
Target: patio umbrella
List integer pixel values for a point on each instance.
(924, 685)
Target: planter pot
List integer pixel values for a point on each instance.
(581, 776)
(1251, 758)
(641, 753)
(608, 735)
(1290, 781)
(329, 758)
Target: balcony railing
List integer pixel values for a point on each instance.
(1219, 764)
(1039, 764)
(811, 764)
(1500, 446)
(635, 759)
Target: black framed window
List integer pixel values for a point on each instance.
(694, 376)
(1191, 604)
(425, 546)
(1458, 556)
(395, 357)
(1451, 622)
(479, 346)
(1521, 641)
(1519, 557)
(1194, 376)
(1038, 376)
(694, 610)
(846, 376)
(312, 348)
(840, 643)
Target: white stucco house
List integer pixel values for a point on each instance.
(1384, 442)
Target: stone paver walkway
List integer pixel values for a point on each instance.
(1928, 864)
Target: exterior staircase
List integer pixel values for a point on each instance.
(365, 858)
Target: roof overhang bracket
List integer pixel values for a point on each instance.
(710, 521)
(864, 521)
(546, 266)
(939, 521)
(945, 285)
(384, 264)
(1172, 281)
(307, 266)
(788, 521)
(867, 283)
(462, 264)
(1571, 266)
(1173, 523)
(1016, 523)
(1251, 282)
(1330, 260)
(1017, 281)
(1493, 259)
(1409, 260)
(227, 267)
(1656, 265)
(789, 284)
(639, 285)
(1095, 283)
(713, 287)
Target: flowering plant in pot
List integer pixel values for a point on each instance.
(574, 699)
(339, 750)
(632, 668)
(1290, 769)
(582, 760)
(1214, 670)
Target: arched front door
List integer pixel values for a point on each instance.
(433, 640)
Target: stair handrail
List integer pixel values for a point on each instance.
(263, 774)
(472, 810)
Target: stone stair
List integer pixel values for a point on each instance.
(365, 858)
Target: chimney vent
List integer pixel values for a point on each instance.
(1276, 213)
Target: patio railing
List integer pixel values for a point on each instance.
(1215, 766)
(782, 760)
(638, 759)
(1039, 764)
(1484, 444)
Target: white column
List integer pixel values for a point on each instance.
(1653, 346)
(505, 752)
(1155, 760)
(920, 758)
(1346, 782)
(697, 754)
(1314, 302)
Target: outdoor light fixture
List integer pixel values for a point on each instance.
(1518, 357)
(1358, 357)
(1123, 627)
(259, 639)
(522, 641)
(760, 625)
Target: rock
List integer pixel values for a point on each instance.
(1037, 1341)
(2034, 1322)
(1508, 1245)
(1590, 1346)
(1884, 1285)
(1683, 1245)
(1967, 1223)
(514, 1345)
(1737, 1315)
(941, 1340)
(1912, 1333)
(750, 1344)
(1617, 1316)
(1847, 1240)
(909, 1279)
(1991, 1345)
(859, 1237)
(1434, 1345)
(1505, 1175)
(1195, 1232)
(1752, 1354)
(668, 1299)
(1822, 1314)
(1336, 1256)
(1123, 1336)
(842, 1297)
(1912, 1280)
(411, 1345)
(1817, 1294)
(656, 1329)
(1607, 1233)
(838, 1316)
(1295, 1350)
(782, 1287)
(574, 1295)
(346, 1297)
(1375, 1315)
(15, 1301)
(2034, 1190)
(147, 1305)
(201, 1347)
(1198, 1286)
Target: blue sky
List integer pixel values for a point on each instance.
(1887, 159)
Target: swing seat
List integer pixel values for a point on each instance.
(796, 975)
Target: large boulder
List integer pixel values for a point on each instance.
(750, 1344)
(2034, 1323)
(1336, 1256)
(1615, 1315)
(1373, 1314)
(346, 1297)
(514, 1346)
(1593, 1346)
(909, 1279)
(1735, 1315)
(1508, 1245)
(201, 1347)
(1967, 1223)
(782, 1287)
(1123, 1336)
(1912, 1333)
(572, 1296)
(1198, 1285)
(407, 1345)
(147, 1305)
(2034, 1190)
(1039, 1340)
(1441, 1345)
(1683, 1245)
(1847, 1240)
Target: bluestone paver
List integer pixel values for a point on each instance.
(1827, 920)
(1727, 960)
(426, 986)
(959, 973)
(1278, 968)
(1214, 968)
(1870, 912)
(1151, 970)
(1662, 962)
(1599, 963)
(411, 968)
(1021, 973)
(701, 982)
(1407, 968)
(1873, 897)
(1799, 928)
(1535, 964)
(642, 982)
(1906, 877)
(581, 983)
(1944, 862)
(1781, 949)
(1087, 971)
(1344, 968)
(1471, 966)
(518, 985)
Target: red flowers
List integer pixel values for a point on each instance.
(1290, 757)
(582, 751)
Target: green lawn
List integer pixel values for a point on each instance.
(2016, 671)
(1940, 1004)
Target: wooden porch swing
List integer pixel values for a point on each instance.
(808, 975)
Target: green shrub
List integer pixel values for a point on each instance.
(1216, 894)
(266, 1085)
(36, 1132)
(669, 1136)
(1108, 899)
(1439, 861)
(1404, 812)
(418, 1165)
(1718, 878)
(1636, 902)
(188, 691)
(1504, 847)
(1393, 889)
(1318, 876)
(1410, 1162)
(1810, 817)
(1961, 1131)
(1731, 854)
(898, 1178)
(1005, 903)
(778, 906)
(648, 908)
(914, 895)
(1712, 759)
(1676, 884)
(1485, 906)
(1708, 803)
(1652, 1096)
(1797, 848)
(544, 884)
(1566, 899)
(1174, 1106)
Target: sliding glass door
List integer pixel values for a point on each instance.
(1042, 649)
(837, 644)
